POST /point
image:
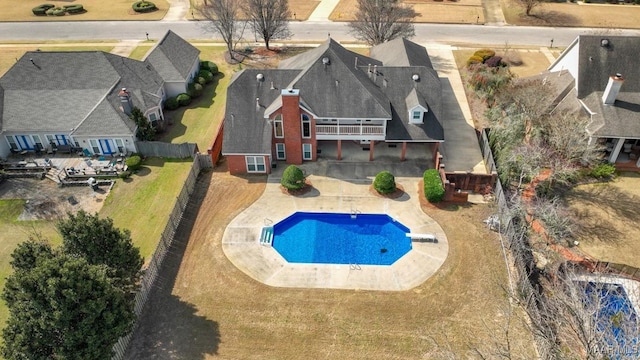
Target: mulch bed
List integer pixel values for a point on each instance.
(305, 189)
(394, 195)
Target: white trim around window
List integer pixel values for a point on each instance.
(281, 153)
(255, 164)
(306, 126)
(307, 152)
(278, 127)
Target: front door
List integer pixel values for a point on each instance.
(106, 146)
(24, 142)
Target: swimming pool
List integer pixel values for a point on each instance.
(614, 319)
(337, 238)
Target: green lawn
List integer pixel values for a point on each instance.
(139, 52)
(199, 122)
(143, 204)
(14, 232)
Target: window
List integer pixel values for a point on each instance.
(306, 152)
(94, 146)
(51, 140)
(120, 146)
(153, 117)
(417, 115)
(280, 152)
(278, 128)
(12, 142)
(306, 126)
(255, 164)
(37, 142)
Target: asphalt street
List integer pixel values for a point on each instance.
(302, 31)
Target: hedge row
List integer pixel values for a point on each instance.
(144, 6)
(433, 189)
(50, 9)
(196, 88)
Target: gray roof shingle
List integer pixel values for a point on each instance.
(401, 52)
(343, 87)
(173, 57)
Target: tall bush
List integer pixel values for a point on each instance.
(433, 188)
(384, 182)
(292, 178)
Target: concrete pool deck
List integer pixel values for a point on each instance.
(241, 240)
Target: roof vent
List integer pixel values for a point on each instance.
(604, 42)
(326, 61)
(259, 77)
(415, 77)
(272, 87)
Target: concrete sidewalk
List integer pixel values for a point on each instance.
(323, 10)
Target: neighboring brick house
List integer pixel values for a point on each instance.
(331, 94)
(603, 78)
(81, 100)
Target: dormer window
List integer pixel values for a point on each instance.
(417, 116)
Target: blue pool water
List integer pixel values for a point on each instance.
(615, 319)
(330, 238)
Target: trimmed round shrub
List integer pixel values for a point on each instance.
(171, 103)
(41, 10)
(484, 54)
(207, 75)
(194, 90)
(50, 11)
(74, 9)
(200, 80)
(292, 178)
(183, 99)
(384, 182)
(474, 60)
(494, 61)
(433, 189)
(134, 162)
(144, 6)
(59, 12)
(209, 66)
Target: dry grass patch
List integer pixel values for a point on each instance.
(140, 51)
(300, 9)
(573, 14)
(609, 216)
(206, 308)
(95, 10)
(429, 11)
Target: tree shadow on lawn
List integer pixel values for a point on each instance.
(552, 18)
(612, 200)
(176, 127)
(168, 326)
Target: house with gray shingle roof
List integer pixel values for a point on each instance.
(82, 100)
(333, 95)
(606, 84)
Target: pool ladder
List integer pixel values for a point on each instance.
(354, 213)
(354, 267)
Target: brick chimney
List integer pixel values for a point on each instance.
(612, 89)
(125, 101)
(292, 128)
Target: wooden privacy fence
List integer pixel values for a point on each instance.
(150, 273)
(166, 150)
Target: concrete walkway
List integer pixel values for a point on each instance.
(493, 14)
(323, 10)
(178, 10)
(460, 150)
(125, 47)
(241, 240)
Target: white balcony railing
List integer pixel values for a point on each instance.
(366, 130)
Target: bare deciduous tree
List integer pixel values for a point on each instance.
(269, 18)
(223, 14)
(529, 5)
(382, 20)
